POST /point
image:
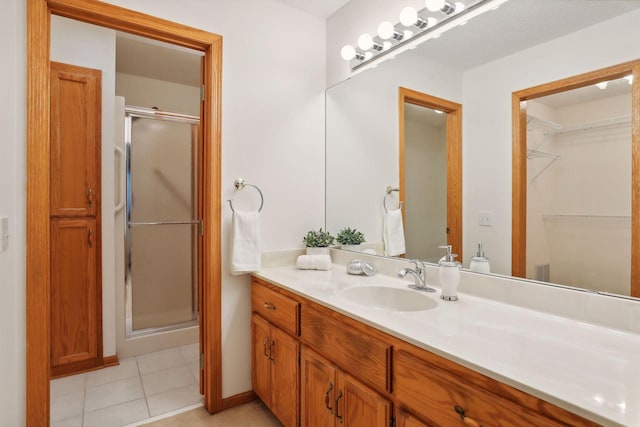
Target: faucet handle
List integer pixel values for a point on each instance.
(418, 263)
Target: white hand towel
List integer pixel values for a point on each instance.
(314, 262)
(245, 242)
(393, 233)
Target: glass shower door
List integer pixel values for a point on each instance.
(163, 223)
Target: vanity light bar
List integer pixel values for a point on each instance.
(414, 26)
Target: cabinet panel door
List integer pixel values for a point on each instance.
(76, 306)
(359, 406)
(285, 378)
(260, 360)
(75, 140)
(318, 390)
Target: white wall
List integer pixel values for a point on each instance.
(487, 120)
(272, 135)
(167, 96)
(12, 204)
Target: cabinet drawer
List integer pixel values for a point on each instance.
(275, 307)
(440, 398)
(359, 354)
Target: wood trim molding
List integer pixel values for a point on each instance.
(519, 170)
(38, 234)
(454, 157)
(238, 399)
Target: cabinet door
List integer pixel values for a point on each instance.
(75, 140)
(318, 390)
(285, 377)
(260, 359)
(359, 406)
(76, 306)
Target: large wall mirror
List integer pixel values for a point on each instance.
(524, 44)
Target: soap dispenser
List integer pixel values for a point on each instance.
(449, 275)
(480, 263)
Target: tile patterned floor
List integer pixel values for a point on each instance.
(139, 388)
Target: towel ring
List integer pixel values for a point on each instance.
(389, 190)
(240, 183)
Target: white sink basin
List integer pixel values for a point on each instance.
(387, 298)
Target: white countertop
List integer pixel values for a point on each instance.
(590, 370)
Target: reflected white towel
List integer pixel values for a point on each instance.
(314, 262)
(245, 242)
(393, 233)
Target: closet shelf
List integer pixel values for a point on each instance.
(585, 216)
(544, 124)
(534, 154)
(598, 124)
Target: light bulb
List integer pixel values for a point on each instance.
(386, 45)
(408, 16)
(368, 56)
(385, 30)
(438, 111)
(407, 34)
(365, 42)
(348, 52)
(602, 85)
(459, 7)
(434, 5)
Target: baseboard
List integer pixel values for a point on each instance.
(238, 399)
(110, 361)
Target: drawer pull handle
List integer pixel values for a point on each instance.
(90, 238)
(326, 398)
(466, 420)
(337, 407)
(264, 347)
(269, 306)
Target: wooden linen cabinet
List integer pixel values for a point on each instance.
(75, 219)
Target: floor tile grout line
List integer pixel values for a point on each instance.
(144, 392)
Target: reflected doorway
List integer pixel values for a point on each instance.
(430, 174)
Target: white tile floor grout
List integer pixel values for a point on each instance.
(138, 389)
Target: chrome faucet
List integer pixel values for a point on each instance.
(420, 275)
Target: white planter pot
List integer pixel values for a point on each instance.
(318, 251)
(352, 248)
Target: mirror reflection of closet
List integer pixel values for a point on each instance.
(579, 187)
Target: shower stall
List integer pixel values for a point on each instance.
(163, 224)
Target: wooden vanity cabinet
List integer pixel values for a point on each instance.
(330, 397)
(351, 374)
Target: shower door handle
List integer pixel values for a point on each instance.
(137, 224)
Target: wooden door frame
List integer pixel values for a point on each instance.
(454, 157)
(37, 173)
(519, 165)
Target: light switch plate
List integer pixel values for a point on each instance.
(4, 233)
(485, 218)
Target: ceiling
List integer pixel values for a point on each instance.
(518, 25)
(320, 8)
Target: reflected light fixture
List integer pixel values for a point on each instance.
(629, 79)
(602, 85)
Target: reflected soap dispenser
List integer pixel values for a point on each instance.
(449, 275)
(480, 263)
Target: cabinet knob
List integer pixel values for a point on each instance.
(466, 420)
(326, 398)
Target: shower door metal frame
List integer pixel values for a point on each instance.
(149, 113)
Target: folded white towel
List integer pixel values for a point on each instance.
(245, 242)
(314, 262)
(393, 233)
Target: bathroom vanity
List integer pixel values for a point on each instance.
(324, 358)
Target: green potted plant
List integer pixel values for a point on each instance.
(350, 239)
(318, 242)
